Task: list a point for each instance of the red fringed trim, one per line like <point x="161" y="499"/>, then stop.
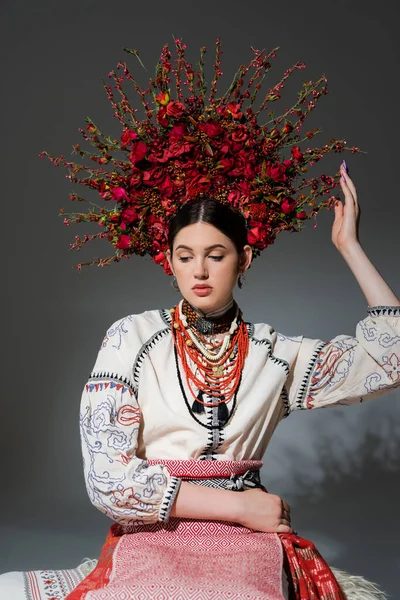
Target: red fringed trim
<point x="312" y="579"/>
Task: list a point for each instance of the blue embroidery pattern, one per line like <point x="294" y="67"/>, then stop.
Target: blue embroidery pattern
<point x="116" y="331"/>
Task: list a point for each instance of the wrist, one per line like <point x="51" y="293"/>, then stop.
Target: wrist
<point x="351" y="250"/>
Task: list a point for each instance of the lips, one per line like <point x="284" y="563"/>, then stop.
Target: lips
<point x="201" y="287"/>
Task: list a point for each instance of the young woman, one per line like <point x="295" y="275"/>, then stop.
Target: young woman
<point x="178" y="412"/>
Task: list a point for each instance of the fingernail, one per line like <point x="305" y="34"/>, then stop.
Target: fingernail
<point x="345" y="166"/>
<point x="343" y="178"/>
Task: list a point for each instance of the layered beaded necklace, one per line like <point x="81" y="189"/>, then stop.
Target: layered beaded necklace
<point x="212" y="368"/>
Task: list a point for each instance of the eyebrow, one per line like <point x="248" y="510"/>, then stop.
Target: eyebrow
<point x="206" y="249"/>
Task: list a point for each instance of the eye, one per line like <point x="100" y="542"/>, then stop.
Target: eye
<point x="184" y="258"/>
<point x="216" y="258"/>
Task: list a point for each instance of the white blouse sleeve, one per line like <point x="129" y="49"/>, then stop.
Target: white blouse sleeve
<point x="121" y="485"/>
<point x="348" y="369"/>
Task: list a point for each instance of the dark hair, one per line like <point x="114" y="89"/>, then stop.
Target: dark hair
<point x="208" y="210"/>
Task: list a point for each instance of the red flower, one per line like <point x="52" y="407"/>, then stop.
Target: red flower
<point x="118" y="194"/>
<point x="124" y="241"/>
<point x="163" y="98"/>
<point x="258" y="211"/>
<point x="297" y="153"/>
<point x="166" y="187"/>
<point x="234" y="110"/>
<point x="129" y="215"/>
<point x="212" y="128"/>
<point x="154" y="177"/>
<point x="159" y="258"/>
<point x="301" y="215"/>
<point x="258" y="235"/>
<point x="135" y="179"/>
<point x="167" y="268"/>
<point x="197" y="185"/>
<point x="127" y="137"/>
<point x="225" y="164"/>
<point x="288" y="205"/>
<point x="161" y="117"/>
<point x="177" y="131"/>
<point x="287" y="128"/>
<point x="175" y="109"/>
<point x="276" y="171"/>
<point x="234" y="197"/>
<point x="138" y="152"/>
<point x="240" y="134"/>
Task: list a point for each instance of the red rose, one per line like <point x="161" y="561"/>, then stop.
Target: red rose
<point x="177" y="131"/>
<point x="129" y="215"/>
<point x="234" y="110"/>
<point x="301" y="215"/>
<point x="161" y="117"/>
<point x="154" y="177"/>
<point x="166" y="187"/>
<point x="288" y="205"/>
<point x="167" y="268"/>
<point x="239" y="134"/>
<point x="175" y="109"/>
<point x="198" y="185"/>
<point x="258" y="235"/>
<point x="297" y="153"/>
<point x="176" y="149"/>
<point x="138" y="152"/>
<point x="225" y="164"/>
<point x="124" y="241"/>
<point x="159" y="258"/>
<point x="211" y="128"/>
<point x="118" y="194"/>
<point x="127" y="137"/>
<point x="234" y="197"/>
<point x="135" y="179"/>
<point x="276" y="171"/>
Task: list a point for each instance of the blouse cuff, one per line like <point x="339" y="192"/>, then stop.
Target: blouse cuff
<point x="383" y="311"/>
<point x="168" y="499"/>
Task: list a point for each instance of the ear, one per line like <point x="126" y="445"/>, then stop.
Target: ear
<point x="245" y="259"/>
<point x="169" y="259"/>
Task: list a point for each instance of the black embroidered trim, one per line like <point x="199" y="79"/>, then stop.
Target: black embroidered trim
<point x="307" y="375"/>
<point x="169" y="497"/>
<point x="143" y="352"/>
<point x="111" y="376"/>
<point x="285" y="401"/>
<point x="205" y="425"/>
<point x="165" y="315"/>
<point x="380" y="311"/>
<point x="266" y="342"/>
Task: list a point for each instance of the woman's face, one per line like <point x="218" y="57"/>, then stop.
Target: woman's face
<point x="206" y="265"/>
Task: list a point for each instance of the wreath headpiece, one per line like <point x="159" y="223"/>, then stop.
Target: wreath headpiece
<point x="194" y="143"/>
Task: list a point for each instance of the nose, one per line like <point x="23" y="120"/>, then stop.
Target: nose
<point x="200" y="270"/>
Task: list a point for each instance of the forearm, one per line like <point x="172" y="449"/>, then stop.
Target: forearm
<point x="376" y="290"/>
<point x="201" y="502"/>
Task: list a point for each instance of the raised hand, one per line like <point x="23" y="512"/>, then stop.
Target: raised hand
<point x="345" y="226"/>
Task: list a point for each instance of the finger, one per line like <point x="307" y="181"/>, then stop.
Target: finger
<point x="347" y="183"/>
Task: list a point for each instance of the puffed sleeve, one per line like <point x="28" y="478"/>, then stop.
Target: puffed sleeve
<point x="121" y="485"/>
<point x="348" y="369"/>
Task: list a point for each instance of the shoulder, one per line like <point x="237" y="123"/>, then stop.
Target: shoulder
<point x="279" y="344"/>
<point x="132" y="331"/>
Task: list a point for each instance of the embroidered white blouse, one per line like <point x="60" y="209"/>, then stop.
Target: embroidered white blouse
<point x="133" y="409"/>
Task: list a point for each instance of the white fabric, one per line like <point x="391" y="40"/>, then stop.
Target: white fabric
<point x="133" y="409"/>
<point x="12" y="586"/>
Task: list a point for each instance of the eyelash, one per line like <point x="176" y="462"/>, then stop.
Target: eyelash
<point x="185" y="259"/>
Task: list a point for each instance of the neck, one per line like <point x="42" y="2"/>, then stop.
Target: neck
<point x="219" y="320"/>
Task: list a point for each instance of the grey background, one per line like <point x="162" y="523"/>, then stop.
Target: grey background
<point x="338" y="467"/>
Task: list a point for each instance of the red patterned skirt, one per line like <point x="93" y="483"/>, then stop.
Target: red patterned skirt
<point x="185" y="559"/>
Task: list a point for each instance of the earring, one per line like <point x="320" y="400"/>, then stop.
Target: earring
<point x="241" y="280"/>
<point x="174" y="284"/>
